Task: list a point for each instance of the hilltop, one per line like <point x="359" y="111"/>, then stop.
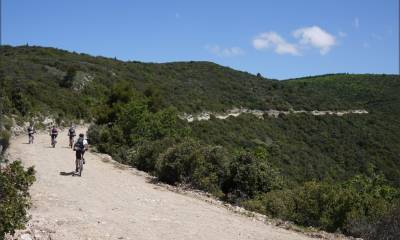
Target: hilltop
<point x="53" y="80"/>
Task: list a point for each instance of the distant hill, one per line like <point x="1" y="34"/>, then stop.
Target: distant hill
<point x="37" y="73"/>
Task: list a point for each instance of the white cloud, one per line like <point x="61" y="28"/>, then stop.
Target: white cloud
<point x="225" y="52"/>
<point x="315" y="37"/>
<point x="356" y="22"/>
<point x="273" y="40"/>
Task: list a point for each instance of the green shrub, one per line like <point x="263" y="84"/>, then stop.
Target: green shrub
<point x="14" y="196"/>
<point x="277" y="204"/>
<point x="351" y="207"/>
<point x="387" y="228"/>
<point x="252" y="174"/>
<point x="179" y="162"/>
<point x="4" y="140"/>
<point x="212" y="173"/>
<point x="145" y="154"/>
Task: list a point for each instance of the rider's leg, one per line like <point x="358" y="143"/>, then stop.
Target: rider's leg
<point x="83" y="153"/>
<point x="78" y="156"/>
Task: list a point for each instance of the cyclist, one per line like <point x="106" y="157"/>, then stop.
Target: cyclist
<point x="53" y="134"/>
<point x="80" y="146"/>
<point x="31" y="131"/>
<point x="71" y="134"/>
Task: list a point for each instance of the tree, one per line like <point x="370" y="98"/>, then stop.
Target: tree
<point x="68" y="79"/>
<point x="14" y="197"/>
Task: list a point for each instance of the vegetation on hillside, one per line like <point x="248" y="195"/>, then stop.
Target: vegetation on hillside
<point x="335" y="173"/>
<point x="235" y="163"/>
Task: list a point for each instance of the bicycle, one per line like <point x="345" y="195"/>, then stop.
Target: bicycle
<point x="53" y="140"/>
<point x="71" y="141"/>
<point x="31" y="138"/>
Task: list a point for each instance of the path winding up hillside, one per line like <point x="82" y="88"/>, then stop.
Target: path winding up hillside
<point x="110" y="202"/>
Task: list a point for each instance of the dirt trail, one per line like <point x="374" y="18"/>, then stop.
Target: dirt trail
<point x="108" y="202"/>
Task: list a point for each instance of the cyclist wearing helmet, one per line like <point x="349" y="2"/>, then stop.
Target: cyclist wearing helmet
<point x="71" y="134"/>
<point x="53" y="134"/>
<point x="31" y="131"/>
<point x="80" y="146"/>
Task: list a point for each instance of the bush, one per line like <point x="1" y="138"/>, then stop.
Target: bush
<point x="179" y="162"/>
<point x="387" y="228"/>
<point x="144" y="155"/>
<point x="351" y="207"/>
<point x="213" y="172"/>
<point x="203" y="167"/>
<point x="251" y="174"/>
<point x="4" y="140"/>
<point x="277" y="204"/>
<point x="14" y="196"/>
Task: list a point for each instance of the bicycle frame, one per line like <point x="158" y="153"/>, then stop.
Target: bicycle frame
<point x="31" y="138"/>
<point x="71" y="141"/>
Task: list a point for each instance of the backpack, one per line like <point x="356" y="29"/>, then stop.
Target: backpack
<point x="72" y="131"/>
<point x="54" y="131"/>
<point x="79" y="144"/>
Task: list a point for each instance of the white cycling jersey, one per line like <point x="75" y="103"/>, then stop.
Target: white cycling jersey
<point x="85" y="142"/>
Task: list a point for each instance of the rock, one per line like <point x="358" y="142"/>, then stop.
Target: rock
<point x="26" y="236"/>
<point x="48" y="121"/>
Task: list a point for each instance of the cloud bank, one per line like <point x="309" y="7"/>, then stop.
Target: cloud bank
<point x="315" y="37"/>
<point x="307" y="37"/>
<point x="275" y="41"/>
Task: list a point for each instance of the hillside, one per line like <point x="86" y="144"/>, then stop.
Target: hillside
<point x="37" y="73"/>
<point x="189" y="86"/>
<point x="266" y="164"/>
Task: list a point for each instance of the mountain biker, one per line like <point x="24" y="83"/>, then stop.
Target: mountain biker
<point x="31" y="131"/>
<point x="53" y="134"/>
<point x="80" y="146"/>
<point x="71" y="134"/>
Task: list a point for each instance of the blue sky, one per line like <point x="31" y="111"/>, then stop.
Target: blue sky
<point x="279" y="39"/>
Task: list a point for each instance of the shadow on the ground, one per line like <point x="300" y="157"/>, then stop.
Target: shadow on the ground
<point x="67" y="173"/>
<point x="152" y="180"/>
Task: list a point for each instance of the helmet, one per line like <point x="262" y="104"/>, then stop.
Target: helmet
<point x="81" y="135"/>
